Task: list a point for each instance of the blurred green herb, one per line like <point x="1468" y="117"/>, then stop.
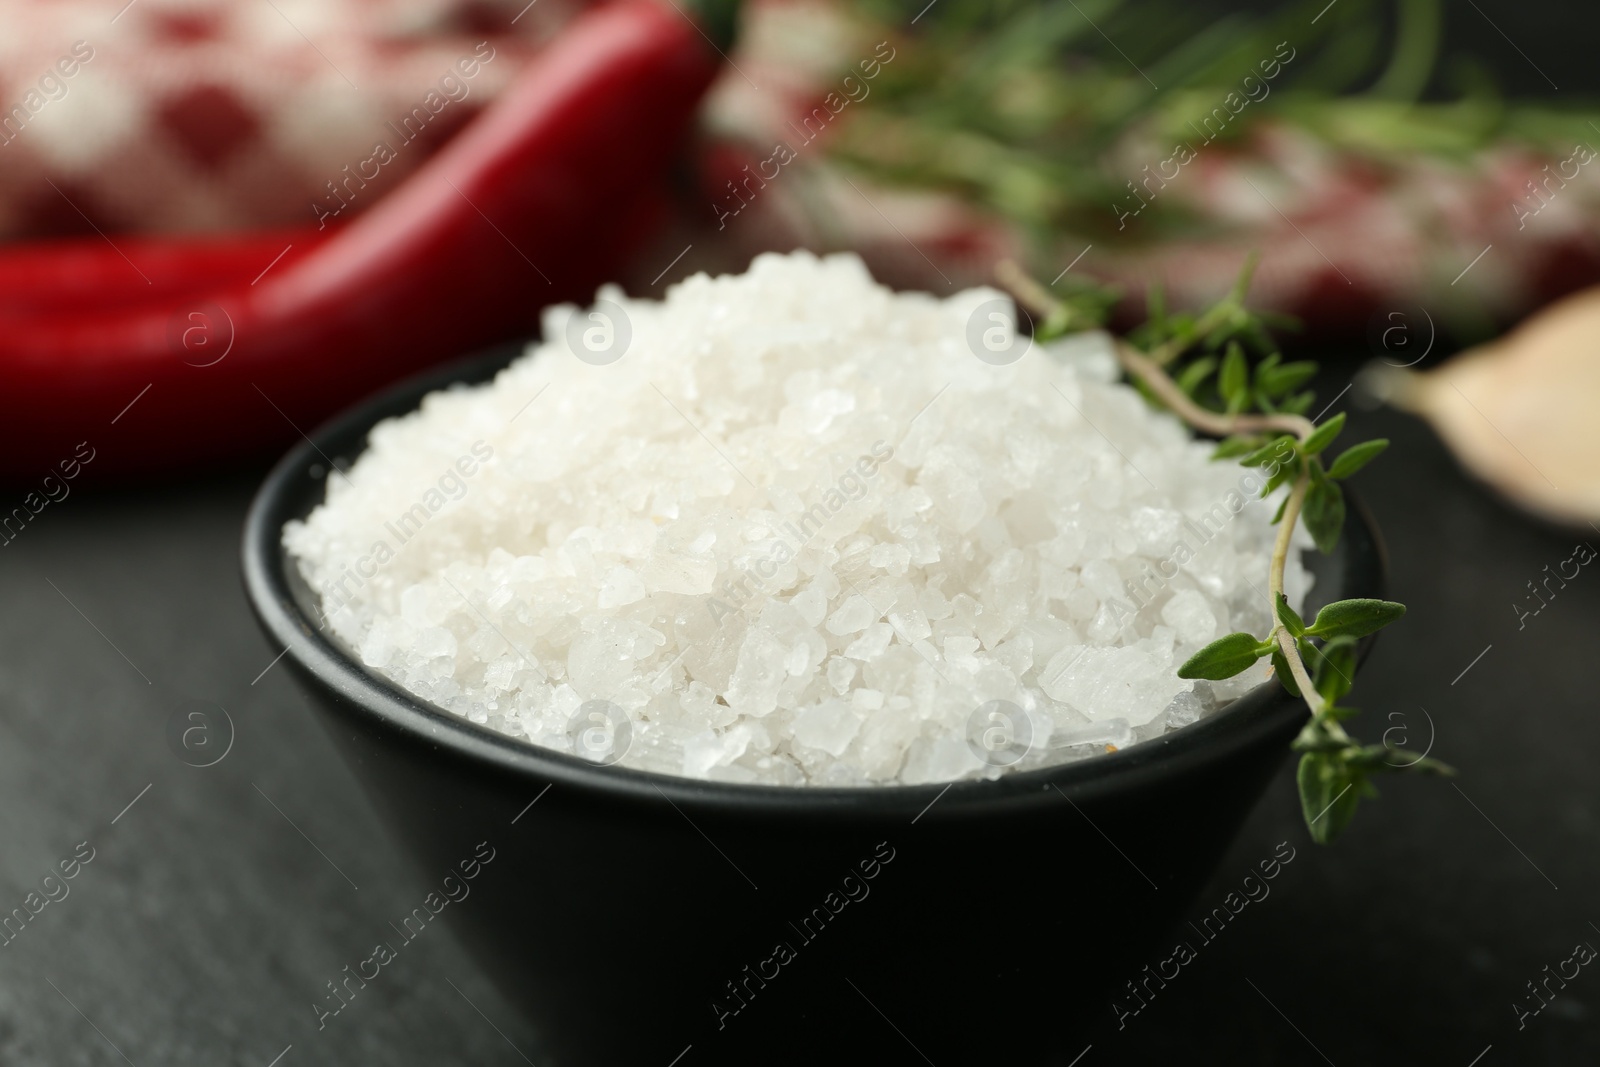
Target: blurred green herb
<point x="1043" y="110"/>
<point x="1200" y="367"/>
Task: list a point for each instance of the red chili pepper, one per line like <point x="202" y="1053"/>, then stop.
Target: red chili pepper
<point x="527" y="205"/>
<point x="91" y="274"/>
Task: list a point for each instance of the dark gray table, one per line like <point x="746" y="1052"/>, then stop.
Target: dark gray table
<point x="219" y="903"/>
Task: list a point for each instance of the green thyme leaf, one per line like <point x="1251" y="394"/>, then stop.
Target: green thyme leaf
<point x="1225" y="657"/>
<point x="1234" y="383"/>
<point x="1286" y="470"/>
<point x="1323" y="435"/>
<point x="1395" y="759"/>
<point x="1280" y="381"/>
<point x="1324" y="511"/>
<point x="1329" y="792"/>
<point x="1280" y="667"/>
<point x="1278" y="448"/>
<point x="1335" y="666"/>
<point x="1298" y="404"/>
<point x="1195" y="374"/>
<point x="1355" y="457"/>
<point x="1289" y="617"/>
<point x="1354" y="618"/>
<point x="1314" y="736"/>
<point x="1237" y="445"/>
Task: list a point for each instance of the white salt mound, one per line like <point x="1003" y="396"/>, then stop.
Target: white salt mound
<point x="796" y="534"/>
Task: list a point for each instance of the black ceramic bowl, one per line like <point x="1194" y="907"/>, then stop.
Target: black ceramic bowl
<point x="635" y="917"/>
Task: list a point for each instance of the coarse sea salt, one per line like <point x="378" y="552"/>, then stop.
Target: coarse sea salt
<point x="797" y="534"/>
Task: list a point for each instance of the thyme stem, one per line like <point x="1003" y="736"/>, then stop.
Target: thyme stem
<point x="1150" y="372"/>
<point x="1286" y="642"/>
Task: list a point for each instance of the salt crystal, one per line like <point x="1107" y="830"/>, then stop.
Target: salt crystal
<point x="1186" y="708"/>
<point x="1101" y="578"/>
<point x="941" y="759"/>
<point x="1082" y="603"/>
<point x="1157" y="530"/>
<point x="911" y="626"/>
<point x="870" y="645"/>
<point x="840" y="672"/>
<point x="709" y="749"/>
<point x="620" y="586"/>
<point x="1114" y="732"/>
<point x="853" y="616"/>
<point x="753" y="689"/>
<point x="892" y="558"/>
<point x="865" y="700"/>
<point x="812" y="604"/>
<point x="1190" y="614"/>
<point x="829" y="726"/>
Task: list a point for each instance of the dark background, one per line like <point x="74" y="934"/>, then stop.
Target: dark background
<point x="207" y="922"/>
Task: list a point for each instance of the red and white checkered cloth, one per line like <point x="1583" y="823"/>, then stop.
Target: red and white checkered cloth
<point x="196" y="115"/>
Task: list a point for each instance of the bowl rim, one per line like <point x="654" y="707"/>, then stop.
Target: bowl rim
<point x="291" y="489"/>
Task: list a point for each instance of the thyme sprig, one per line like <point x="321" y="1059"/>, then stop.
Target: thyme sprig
<point x="1221" y="372"/>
